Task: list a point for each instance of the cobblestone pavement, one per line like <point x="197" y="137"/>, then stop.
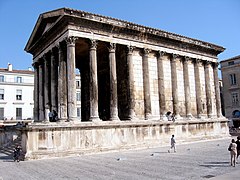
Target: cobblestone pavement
<point x="198" y="160"/>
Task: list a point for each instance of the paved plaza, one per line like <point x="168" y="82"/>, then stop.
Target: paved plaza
<point x="198" y="160"/>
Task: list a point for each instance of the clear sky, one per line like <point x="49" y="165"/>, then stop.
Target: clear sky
<point x="214" y="21"/>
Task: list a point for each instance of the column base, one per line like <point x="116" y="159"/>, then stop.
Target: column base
<point x="95" y="119"/>
<point x="114" y="119"/>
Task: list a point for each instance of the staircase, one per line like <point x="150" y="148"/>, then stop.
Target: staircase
<point x="8" y="149"/>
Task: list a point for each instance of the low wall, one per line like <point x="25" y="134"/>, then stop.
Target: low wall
<point x="69" y="139"/>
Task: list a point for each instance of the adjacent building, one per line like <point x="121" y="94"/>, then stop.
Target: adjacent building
<point x="230" y="69"/>
<point x="16" y="93"/>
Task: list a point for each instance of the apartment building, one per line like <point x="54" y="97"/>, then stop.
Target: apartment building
<point x="230" y="69"/>
<point x="16" y="93"/>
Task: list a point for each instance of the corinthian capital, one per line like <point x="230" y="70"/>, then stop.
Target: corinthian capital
<point x="112" y="47"/>
<point x="161" y="54"/>
<point x="71" y="40"/>
<point x="93" y="43"/>
<point x="174" y="57"/>
<point x="146" y="51"/>
<point x="130" y="49"/>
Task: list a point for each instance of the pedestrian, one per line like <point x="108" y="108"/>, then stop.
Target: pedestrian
<point x="55" y="116"/>
<point x="238" y="147"/>
<point x="173" y="144"/>
<point x="50" y="115"/>
<point x="168" y="115"/>
<point x="17" y="153"/>
<point x="173" y="117"/>
<point x="233" y="152"/>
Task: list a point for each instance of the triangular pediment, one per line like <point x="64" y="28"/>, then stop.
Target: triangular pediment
<point x="44" y="23"/>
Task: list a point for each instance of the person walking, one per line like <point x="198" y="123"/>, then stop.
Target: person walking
<point x="233" y="152"/>
<point x="238" y="147"/>
<point x="173" y="144"/>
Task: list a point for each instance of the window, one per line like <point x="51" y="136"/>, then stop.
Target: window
<point x="233" y="80"/>
<point x="18" y="113"/>
<point x="1" y="94"/>
<point x="235" y="99"/>
<point x="19" y="79"/>
<point x="78" y="96"/>
<point x="1" y="78"/>
<point x="19" y="94"/>
<point x="78" y="112"/>
<point x="231" y="63"/>
<point x="78" y="85"/>
<point x="1" y="113"/>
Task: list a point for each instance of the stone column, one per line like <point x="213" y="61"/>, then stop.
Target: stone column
<point x="41" y="92"/>
<point x="187" y="87"/>
<point x="54" y="83"/>
<point x="208" y="88"/>
<point x="217" y="89"/>
<point x="62" y="85"/>
<point x="198" y="88"/>
<point x="47" y="97"/>
<point x="131" y="101"/>
<point x="161" y="86"/>
<point x="36" y="91"/>
<point x="146" y="85"/>
<point x="175" y="85"/>
<point x="113" y="83"/>
<point x="94" y="116"/>
<point x="71" y="76"/>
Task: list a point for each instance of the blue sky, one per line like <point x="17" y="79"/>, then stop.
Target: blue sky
<point x="214" y="21"/>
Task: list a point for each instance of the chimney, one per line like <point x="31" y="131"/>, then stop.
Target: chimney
<point x="10" y="67"/>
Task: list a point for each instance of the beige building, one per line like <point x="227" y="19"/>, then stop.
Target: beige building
<point x="230" y="69"/>
<point x="128" y="71"/>
<point x="131" y="76"/>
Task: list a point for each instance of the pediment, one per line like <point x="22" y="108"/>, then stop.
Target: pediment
<point x="44" y="23"/>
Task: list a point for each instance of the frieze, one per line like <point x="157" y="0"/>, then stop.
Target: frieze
<point x="121" y="23"/>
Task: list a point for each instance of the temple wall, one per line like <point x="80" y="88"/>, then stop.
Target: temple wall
<point x="153" y="76"/>
<point x="181" y="92"/>
<point x="192" y="89"/>
<point x="59" y="140"/>
<point x="167" y="83"/>
<point x="138" y="84"/>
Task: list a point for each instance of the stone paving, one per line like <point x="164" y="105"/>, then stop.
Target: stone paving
<point x="198" y="160"/>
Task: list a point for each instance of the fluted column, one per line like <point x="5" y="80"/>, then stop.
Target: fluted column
<point x="71" y="86"/>
<point x="131" y="102"/>
<point x="113" y="83"/>
<point x="53" y="81"/>
<point x="208" y="88"/>
<point x="146" y="85"/>
<point x="62" y="85"/>
<point x="217" y="90"/>
<point x="161" y="86"/>
<point x="198" y="88"/>
<point x="41" y="92"/>
<point x="36" y="91"/>
<point x="47" y="97"/>
<point x="94" y="116"/>
<point x="174" y="85"/>
<point x="187" y="87"/>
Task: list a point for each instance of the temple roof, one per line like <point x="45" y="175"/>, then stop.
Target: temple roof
<point x="47" y="20"/>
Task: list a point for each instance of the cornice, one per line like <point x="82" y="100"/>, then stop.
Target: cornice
<point x="140" y="28"/>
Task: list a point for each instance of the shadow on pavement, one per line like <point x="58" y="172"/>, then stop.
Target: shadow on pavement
<point x="215" y="164"/>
